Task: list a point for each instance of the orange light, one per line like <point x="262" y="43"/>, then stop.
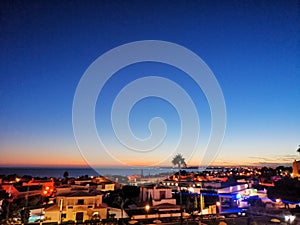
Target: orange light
<point x="45" y="192"/>
<point x="147" y="207"/>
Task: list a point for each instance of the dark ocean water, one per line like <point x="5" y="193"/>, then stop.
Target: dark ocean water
<point x="75" y="172"/>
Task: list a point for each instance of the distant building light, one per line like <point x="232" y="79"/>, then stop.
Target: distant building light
<point x="191" y="189"/>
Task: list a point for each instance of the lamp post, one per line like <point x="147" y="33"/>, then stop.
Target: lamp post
<point x="147" y="208"/>
<point x="218" y="206"/>
<point x="278" y="200"/>
<point x="60" y="210"/>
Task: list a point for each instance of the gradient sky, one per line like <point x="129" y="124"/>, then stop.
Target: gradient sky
<point x="252" y="47"/>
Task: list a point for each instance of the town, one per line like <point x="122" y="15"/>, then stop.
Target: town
<point x="234" y="195"/>
<point x="135" y="112"/>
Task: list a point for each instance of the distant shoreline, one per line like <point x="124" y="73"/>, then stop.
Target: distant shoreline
<point x="57" y="172"/>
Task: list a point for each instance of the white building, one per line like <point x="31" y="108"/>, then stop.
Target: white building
<point x="158" y="195"/>
<point x="76" y="206"/>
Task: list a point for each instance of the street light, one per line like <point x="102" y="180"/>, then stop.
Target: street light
<point x="278" y="201"/>
<point x="147" y="208"/>
<point x="218" y="204"/>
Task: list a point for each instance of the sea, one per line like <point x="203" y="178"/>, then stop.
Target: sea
<point x="58" y="172"/>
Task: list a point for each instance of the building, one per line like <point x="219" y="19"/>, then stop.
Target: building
<point x="104" y="184"/>
<point x="97" y="183"/>
<point x="17" y="191"/>
<point x="156" y="194"/>
<point x="296" y="168"/>
<point x="47" y="186"/>
<point x="76" y="206"/>
<point x="31" y="188"/>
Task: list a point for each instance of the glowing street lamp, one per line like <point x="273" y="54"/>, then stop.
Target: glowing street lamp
<point x="147" y="208"/>
<point x="278" y="200"/>
<point x="218" y="204"/>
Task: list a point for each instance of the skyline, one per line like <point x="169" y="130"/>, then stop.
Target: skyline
<point x="251" y="47"/>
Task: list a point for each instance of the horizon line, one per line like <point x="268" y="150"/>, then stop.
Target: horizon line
<point x="137" y="166"/>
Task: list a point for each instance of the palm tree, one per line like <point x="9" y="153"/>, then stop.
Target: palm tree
<point x="179" y="161"/>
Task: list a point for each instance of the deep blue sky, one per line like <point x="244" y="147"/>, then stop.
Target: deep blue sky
<point x="251" y="46"/>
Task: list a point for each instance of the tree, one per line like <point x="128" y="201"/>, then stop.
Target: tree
<point x="131" y="192"/>
<point x="66" y="177"/>
<point x="66" y="174"/>
<point x="179" y="161"/>
<point x="25" y="214"/>
<point x="287" y="189"/>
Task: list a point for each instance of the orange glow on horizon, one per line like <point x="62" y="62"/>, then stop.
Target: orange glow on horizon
<point x="72" y="158"/>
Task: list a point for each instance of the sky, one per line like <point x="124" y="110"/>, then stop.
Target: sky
<point x="46" y="47"/>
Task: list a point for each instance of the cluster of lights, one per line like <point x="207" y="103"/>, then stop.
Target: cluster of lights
<point x="289" y="218"/>
<point x="226" y="172"/>
<point x="47" y="190"/>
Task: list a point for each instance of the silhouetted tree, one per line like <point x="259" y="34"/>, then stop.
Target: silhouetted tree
<point x="25" y="213"/>
<point x="66" y="177"/>
<point x="131" y="191"/>
<point x="66" y="174"/>
<point x="179" y="161"/>
<point x="287" y="189"/>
